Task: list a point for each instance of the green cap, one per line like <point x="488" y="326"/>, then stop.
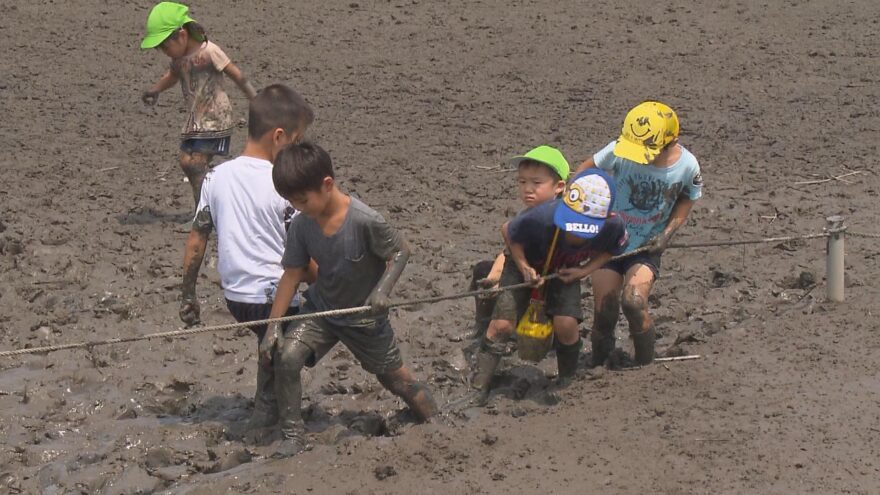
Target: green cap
<point x="547" y="155"/>
<point x="164" y="19"/>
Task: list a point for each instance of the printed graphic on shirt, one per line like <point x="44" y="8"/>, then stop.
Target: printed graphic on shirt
<point x="648" y="194"/>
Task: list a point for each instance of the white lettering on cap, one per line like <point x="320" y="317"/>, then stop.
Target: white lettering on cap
<point x="584" y="228"/>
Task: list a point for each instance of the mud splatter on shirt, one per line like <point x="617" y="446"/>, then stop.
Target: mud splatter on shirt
<point x="201" y="80"/>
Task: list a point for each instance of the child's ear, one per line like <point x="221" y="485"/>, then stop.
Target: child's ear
<point x="328" y="184"/>
<point x="560" y="187"/>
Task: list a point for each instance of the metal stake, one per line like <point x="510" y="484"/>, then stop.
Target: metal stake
<point x="834" y="261"/>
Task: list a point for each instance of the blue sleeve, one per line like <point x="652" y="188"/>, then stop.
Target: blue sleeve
<point x="605" y="158"/>
<point x="296" y="254"/>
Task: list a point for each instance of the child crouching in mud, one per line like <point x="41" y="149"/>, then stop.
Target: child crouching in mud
<point x="584" y="227"/>
<point x="540" y="176"/>
<point x="359" y="258"/>
<point x="198" y="65"/>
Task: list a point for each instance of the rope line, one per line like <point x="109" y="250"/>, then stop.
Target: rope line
<point x="398" y="304"/>
<point x="863" y="234"/>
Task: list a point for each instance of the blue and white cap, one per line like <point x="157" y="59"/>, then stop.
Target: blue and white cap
<point x="587" y="203"/>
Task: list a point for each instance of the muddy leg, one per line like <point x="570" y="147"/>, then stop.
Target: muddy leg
<point x="288" y="363"/>
<point x="403" y="384"/>
<point x="636" y="290"/>
<point x="483" y="306"/>
<point x="606" y="308"/>
<point x="265" y="405"/>
<point x="568" y="348"/>
<point x="195" y="166"/>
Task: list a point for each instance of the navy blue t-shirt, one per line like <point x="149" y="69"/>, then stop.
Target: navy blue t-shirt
<point x="534" y="229"/>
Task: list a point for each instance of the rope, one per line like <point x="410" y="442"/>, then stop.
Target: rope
<point x="749" y="241"/>
<point x="863" y="234"/>
<point x="399" y="304"/>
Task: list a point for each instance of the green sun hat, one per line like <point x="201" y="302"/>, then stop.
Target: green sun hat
<point x="547" y="155"/>
<point x="164" y="19"/>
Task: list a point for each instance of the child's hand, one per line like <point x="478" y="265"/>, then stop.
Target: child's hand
<point x="379" y="303"/>
<point x="189" y="311"/>
<point x="274" y="338"/>
<point x="487" y="283"/>
<point x="571" y="274"/>
<point x="658" y="243"/>
<point x="150" y="97"/>
<point x="531" y="276"/>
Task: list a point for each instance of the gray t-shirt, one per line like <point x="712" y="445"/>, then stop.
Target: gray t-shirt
<point x="350" y="262"/>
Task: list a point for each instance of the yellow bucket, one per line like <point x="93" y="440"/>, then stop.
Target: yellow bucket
<point x="534" y="333"/>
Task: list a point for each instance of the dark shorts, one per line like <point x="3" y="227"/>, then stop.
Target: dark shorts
<point x="560" y="299"/>
<point x="374" y="346"/>
<point x="243" y="312"/>
<point x="208" y="146"/>
<point x="623" y="265"/>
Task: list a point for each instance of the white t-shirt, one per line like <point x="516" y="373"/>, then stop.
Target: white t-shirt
<point x="250" y="219"/>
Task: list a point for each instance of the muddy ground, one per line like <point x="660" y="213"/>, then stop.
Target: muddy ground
<point x="417" y="102"/>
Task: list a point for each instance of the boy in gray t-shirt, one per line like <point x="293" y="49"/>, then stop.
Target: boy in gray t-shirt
<point x="359" y="258"/>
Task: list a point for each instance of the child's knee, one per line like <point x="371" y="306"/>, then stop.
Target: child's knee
<point x="499" y="329"/>
<point x="634" y="304"/>
<point x="291" y="357"/>
<point x="566" y="329"/>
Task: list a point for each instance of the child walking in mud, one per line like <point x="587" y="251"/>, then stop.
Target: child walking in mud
<point x="239" y="201"/>
<point x="199" y="65"/>
<point x="540" y="176"/>
<point x="567" y="231"/>
<point x="360" y="257"/>
<point x="659" y="182"/>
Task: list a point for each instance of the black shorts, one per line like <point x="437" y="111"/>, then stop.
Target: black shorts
<point x="560" y="299"/>
<point x="623" y="265"/>
<point x="243" y="312"/>
<point x="373" y="346"/>
<point x="208" y="146"/>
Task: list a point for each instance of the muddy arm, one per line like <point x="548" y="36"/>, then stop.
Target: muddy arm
<point x="168" y="79"/>
<point x="192" y="261"/>
<point x="677" y="218"/>
<point x="238" y="78"/>
<point x="379" y="298"/>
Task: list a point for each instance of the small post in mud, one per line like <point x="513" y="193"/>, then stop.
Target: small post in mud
<point x="834" y="266"/>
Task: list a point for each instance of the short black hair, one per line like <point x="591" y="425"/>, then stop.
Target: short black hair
<point x="278" y="106"/>
<point x="535" y="163"/>
<point x="300" y="167"/>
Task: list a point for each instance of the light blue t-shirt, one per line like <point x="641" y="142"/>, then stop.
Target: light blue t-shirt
<point x="646" y="194"/>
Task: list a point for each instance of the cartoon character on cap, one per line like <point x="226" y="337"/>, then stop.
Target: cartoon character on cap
<point x="586" y="204"/>
<point x="647" y="129"/>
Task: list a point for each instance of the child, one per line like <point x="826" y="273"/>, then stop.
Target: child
<point x="239" y="200"/>
<point x="586" y="229"/>
<point x="541" y="175"/>
<point x="360" y="259"/>
<point x="659" y="182"/>
<point x="199" y="65"/>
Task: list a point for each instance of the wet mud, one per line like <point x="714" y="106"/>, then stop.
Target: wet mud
<point x="419" y="103"/>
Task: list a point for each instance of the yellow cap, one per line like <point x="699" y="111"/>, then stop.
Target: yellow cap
<point x="647" y="129"/>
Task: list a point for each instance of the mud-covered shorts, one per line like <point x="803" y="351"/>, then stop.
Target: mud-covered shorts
<point x="243" y="312"/>
<point x="623" y="265"/>
<point x="373" y="346"/>
<point x="560" y="299"/>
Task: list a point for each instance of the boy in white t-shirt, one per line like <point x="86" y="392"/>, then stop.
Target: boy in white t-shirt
<point x="239" y="201"/>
